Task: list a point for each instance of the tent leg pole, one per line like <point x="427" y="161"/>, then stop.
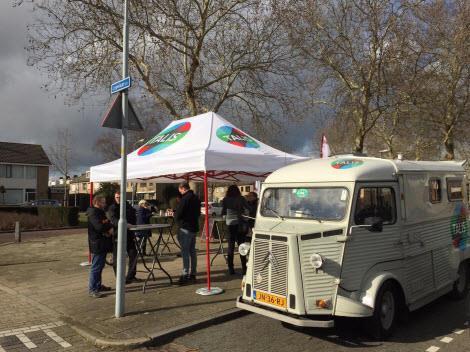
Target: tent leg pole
<point x="207" y="291"/>
<point x="206" y="219"/>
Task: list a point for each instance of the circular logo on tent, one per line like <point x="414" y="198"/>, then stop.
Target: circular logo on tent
<point x="459" y="227"/>
<point x="236" y="137"/>
<point x="165" y="138"/>
<point x="343" y="164"/>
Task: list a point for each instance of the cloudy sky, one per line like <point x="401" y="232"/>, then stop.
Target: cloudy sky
<point x="29" y="114"/>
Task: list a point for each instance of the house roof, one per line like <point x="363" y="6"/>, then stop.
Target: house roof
<point x="20" y="153"/>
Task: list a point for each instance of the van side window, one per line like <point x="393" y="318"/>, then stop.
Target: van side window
<point x="435" y="190"/>
<point x="374" y="204"/>
<point x="454" y="189"/>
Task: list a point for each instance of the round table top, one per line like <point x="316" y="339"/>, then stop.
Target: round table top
<point x="148" y="227"/>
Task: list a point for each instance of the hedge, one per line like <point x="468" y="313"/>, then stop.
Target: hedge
<point x="45" y="217"/>
<point x="64" y="216"/>
<point x="19" y="210"/>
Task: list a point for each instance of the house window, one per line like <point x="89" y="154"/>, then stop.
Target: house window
<point x="84" y="187"/>
<point x="435" y="191"/>
<point x="5" y="171"/>
<point x="374" y="204"/>
<point x="143" y="185"/>
<point x="31" y="172"/>
<point x="454" y="189"/>
<point x="17" y="171"/>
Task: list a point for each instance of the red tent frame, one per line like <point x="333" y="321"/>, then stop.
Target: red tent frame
<point x="202" y="176"/>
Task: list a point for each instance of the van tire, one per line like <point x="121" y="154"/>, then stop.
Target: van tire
<point x="386" y="312"/>
<point x="461" y="285"/>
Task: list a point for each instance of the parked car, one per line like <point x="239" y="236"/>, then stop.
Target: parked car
<point x="215" y="209"/>
<point x="45" y="202"/>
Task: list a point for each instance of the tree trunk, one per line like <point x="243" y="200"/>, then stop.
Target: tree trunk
<point x="449" y="145"/>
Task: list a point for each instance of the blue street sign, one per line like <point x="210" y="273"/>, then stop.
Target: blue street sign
<point x="120" y="85"/>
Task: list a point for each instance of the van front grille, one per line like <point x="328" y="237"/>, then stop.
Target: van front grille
<point x="270" y="267"/>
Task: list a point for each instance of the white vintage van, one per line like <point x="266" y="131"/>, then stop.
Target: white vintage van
<point x="354" y="236"/>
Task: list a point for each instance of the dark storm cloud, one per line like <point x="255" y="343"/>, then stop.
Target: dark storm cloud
<point x="29" y="114"/>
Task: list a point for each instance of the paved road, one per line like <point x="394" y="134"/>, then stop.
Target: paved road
<point x="424" y="330"/>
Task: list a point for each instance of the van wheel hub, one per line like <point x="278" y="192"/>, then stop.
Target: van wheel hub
<point x="387" y="310"/>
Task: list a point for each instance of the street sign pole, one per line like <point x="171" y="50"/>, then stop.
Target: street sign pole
<point x="122" y="225"/>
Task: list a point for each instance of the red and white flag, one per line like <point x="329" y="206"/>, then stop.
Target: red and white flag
<point x="325" y="148"/>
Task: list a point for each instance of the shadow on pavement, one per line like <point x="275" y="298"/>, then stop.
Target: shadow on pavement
<point x="439" y="318"/>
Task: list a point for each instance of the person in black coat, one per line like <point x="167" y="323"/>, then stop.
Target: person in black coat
<point x="144" y="213"/>
<point x="114" y="215"/>
<point x="187" y="215"/>
<point x="100" y="231"/>
<point x="234" y="206"/>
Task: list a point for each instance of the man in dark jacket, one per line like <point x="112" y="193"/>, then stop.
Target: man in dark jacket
<point x="114" y="215"/>
<point x="187" y="215"/>
<point x="100" y="231"/>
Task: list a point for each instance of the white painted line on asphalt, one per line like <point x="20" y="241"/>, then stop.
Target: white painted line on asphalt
<point x="57" y="338"/>
<point x="433" y="349"/>
<point x="446" y="339"/>
<point x="459" y="332"/>
<point x="34" y="328"/>
<point x="26" y="341"/>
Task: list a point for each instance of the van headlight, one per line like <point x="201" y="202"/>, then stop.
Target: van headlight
<point x="244" y="248"/>
<point x="316" y="261"/>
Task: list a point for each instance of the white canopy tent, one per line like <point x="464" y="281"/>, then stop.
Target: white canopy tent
<point x="187" y="148"/>
<point x="204" y="148"/>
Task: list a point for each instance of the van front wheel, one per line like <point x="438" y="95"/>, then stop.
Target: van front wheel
<point x="382" y="322"/>
<point x="460" y="289"/>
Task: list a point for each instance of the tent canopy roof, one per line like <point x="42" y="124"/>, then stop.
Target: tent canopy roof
<point x="187" y="148"/>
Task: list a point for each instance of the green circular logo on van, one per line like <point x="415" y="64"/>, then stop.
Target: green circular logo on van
<point x="301" y="192"/>
<point x="343" y="164"/>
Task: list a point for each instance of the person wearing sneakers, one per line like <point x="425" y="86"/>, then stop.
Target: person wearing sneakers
<point x="187" y="215"/>
<point x="100" y="232"/>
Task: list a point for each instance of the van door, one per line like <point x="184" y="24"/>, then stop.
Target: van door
<point x="374" y="204"/>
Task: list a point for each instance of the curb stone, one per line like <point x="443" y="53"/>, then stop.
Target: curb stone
<point x="158" y="337"/>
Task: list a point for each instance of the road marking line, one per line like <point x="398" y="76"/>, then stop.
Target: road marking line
<point x="433" y="349"/>
<point x="34" y="328"/>
<point x="26" y="341"/>
<point x="459" y="332"/>
<point x="446" y="339"/>
<point x="57" y="338"/>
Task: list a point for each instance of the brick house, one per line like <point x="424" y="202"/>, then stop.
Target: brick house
<point x="24" y="172"/>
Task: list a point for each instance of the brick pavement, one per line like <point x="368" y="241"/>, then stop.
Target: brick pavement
<point x="25" y="326"/>
<point x="47" y="272"/>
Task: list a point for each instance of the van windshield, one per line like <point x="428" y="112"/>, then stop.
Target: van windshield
<point x="308" y="203"/>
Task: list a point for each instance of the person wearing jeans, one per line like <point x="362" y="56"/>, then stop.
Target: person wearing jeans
<point x="100" y="231"/>
<point x="187" y="242"/>
<point x="187" y="215"/>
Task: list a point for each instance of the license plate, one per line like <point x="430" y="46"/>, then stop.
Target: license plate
<point x="274" y="300"/>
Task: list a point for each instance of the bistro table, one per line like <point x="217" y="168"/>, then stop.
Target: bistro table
<point x="218" y="225"/>
<point x="154" y="248"/>
<point x="170" y="220"/>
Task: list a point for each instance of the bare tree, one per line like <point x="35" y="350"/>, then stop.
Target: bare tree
<point x="60" y="157"/>
<point x="190" y="56"/>
<point x="444" y="99"/>
<point x="349" y="43"/>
